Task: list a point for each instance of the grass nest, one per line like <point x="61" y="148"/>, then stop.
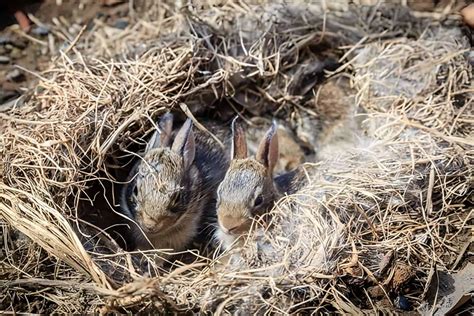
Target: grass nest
<point x="379" y="212"/>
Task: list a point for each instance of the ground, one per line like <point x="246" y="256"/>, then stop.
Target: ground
<point x="22" y="55"/>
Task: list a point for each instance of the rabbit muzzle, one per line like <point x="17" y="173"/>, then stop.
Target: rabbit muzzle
<point x="157" y="225"/>
<point x="234" y="225"/>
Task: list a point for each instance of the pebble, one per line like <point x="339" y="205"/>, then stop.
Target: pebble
<point x="19" y="42"/>
<point x="40" y="31"/>
<point x="121" y="24"/>
<point x="4" y="59"/>
<point x="15" y="75"/>
<point x="4" y="40"/>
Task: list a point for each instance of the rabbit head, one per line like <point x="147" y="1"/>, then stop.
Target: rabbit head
<point x="164" y="179"/>
<point x="247" y="189"/>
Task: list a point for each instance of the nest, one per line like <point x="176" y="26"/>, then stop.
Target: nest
<point x="384" y="202"/>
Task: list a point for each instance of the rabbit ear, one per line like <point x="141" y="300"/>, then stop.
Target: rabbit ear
<point x="166" y="126"/>
<point x="267" y="152"/>
<point x="161" y="138"/>
<point x="239" y="143"/>
<point x="184" y="143"/>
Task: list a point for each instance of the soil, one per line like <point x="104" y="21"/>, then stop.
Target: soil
<point x="24" y="54"/>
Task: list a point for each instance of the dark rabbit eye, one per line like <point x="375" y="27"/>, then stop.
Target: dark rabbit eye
<point x="258" y="201"/>
<point x="175" y="202"/>
<point x="176" y="208"/>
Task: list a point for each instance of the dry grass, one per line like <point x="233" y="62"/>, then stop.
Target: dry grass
<point x="402" y="189"/>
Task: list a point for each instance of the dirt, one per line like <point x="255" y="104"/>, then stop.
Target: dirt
<point x="23" y="55"/>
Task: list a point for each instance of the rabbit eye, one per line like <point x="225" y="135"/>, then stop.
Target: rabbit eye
<point x="175" y="206"/>
<point x="175" y="199"/>
<point x="258" y="201"/>
<point x="176" y="209"/>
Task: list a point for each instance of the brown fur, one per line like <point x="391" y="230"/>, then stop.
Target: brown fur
<point x="248" y="189"/>
<point x="172" y="188"/>
<point x="333" y="107"/>
<point x="291" y="153"/>
<point x="164" y="229"/>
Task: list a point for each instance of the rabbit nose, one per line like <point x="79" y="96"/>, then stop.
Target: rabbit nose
<point x="232" y="225"/>
<point x="156" y="223"/>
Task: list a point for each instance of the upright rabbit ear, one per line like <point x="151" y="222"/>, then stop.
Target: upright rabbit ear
<point x="161" y="138"/>
<point x="184" y="143"/>
<point x="267" y="152"/>
<point x="239" y="143"/>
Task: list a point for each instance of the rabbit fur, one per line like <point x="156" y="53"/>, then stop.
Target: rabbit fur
<point x="249" y="188"/>
<point x="171" y="192"/>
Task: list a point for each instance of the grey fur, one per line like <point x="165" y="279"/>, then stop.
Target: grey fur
<point x="171" y="191"/>
<point x="248" y="188"/>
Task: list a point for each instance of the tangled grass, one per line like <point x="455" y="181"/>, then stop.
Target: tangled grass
<point x="371" y="223"/>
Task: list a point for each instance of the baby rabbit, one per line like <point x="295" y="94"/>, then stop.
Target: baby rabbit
<point x="291" y="153"/>
<point x="248" y="188"/>
<point x="170" y="190"/>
